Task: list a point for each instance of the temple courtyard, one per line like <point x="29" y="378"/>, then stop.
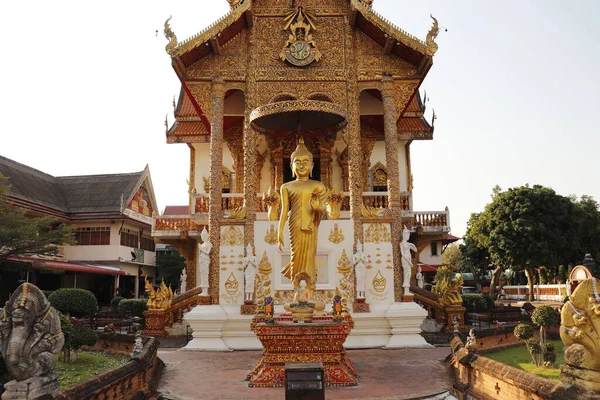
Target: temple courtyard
<point x="384" y="374"/>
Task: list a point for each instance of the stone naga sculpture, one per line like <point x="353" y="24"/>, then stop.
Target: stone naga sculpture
<point x="30" y="334"/>
<point x="580" y="332"/>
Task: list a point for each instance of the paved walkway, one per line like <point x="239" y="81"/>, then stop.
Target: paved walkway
<point x="384" y="374"/>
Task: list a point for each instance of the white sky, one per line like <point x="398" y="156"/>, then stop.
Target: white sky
<point x="85" y="87"/>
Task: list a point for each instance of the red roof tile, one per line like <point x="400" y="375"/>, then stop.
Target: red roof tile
<point x="185" y="108"/>
<point x="176" y="210"/>
<point x="411" y="124"/>
<point x="188" y="128"/>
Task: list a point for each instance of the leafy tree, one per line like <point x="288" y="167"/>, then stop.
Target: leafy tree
<point x="451" y="256"/>
<point x="22" y="235"/>
<point x="81" y="336"/>
<point x="169" y="267"/>
<point x="525" y="228"/>
<point x="587" y="217"/>
<point x="475" y="259"/>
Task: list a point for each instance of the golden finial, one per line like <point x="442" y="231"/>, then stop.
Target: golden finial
<point x="170" y="35"/>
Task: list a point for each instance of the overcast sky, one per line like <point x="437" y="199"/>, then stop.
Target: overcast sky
<point x="85" y="87"/>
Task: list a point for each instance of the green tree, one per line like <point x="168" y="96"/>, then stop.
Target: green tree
<point x="525" y="228"/>
<point x="22" y="235"/>
<point x="474" y="259"/>
<point x="451" y="256"/>
<point x="169" y="267"/>
<point x="587" y="217"/>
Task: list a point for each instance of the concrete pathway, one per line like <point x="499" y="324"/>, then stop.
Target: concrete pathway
<point x="384" y="375"/>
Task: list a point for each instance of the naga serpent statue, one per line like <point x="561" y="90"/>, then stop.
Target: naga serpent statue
<point x="30" y="334"/>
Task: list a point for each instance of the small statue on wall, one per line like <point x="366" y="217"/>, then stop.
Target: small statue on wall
<point x="420" y="278"/>
<point x="204" y="261"/>
<point x="30" y="334"/>
<point x="359" y="262"/>
<point x="405" y="250"/>
<point x="250" y="269"/>
<point x="183" y="281"/>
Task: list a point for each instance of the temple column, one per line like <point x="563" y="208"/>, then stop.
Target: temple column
<point x="390" y="116"/>
<point x="352" y="139"/>
<point x="216" y="163"/>
<point x="250" y="180"/>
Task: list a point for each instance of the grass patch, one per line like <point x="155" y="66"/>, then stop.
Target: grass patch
<point x="519" y="357"/>
<point x="87" y="366"/>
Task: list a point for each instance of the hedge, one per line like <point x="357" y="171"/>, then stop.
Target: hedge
<point x="114" y="303"/>
<point x="477" y="303"/>
<point x="75" y="302"/>
<point x="135" y="307"/>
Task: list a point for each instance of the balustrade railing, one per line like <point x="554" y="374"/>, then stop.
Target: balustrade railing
<point x="175" y="223"/>
<point x="432" y="218"/>
<point x="229" y="201"/>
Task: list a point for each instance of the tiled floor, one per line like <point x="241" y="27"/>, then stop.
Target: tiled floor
<point x="384" y="374"/>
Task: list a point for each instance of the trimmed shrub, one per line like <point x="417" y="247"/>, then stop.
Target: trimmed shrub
<point x="74" y="302"/>
<point x="428" y="286"/>
<point x="549" y="353"/>
<point x="135" y="307"/>
<point x="475" y="303"/>
<point x="544" y="316"/>
<point x="523" y="331"/>
<point x="47" y="292"/>
<point x="114" y="303"/>
<point x="534" y="347"/>
<point x="82" y="336"/>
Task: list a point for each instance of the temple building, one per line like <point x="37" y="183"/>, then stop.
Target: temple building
<point x="112" y="217"/>
<point x="344" y="79"/>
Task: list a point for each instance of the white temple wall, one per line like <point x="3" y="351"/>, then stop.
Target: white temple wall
<point x="402" y="166"/>
<point x="201" y="165"/>
<point x="231" y="265"/>
<point x="379" y="279"/>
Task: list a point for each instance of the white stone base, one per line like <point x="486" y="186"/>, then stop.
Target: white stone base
<point x="222" y="328"/>
<point x="405" y="321"/>
<point x="371" y="330"/>
<point x="431" y="325"/>
<point x="207" y="323"/>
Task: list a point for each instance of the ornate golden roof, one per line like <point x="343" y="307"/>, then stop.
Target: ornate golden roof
<point x="428" y="47"/>
<point x="213" y="30"/>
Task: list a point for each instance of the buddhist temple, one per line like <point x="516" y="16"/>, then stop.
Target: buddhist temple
<point x="344" y="79"/>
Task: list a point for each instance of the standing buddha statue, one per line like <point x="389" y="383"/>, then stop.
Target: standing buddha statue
<point x="304" y="200"/>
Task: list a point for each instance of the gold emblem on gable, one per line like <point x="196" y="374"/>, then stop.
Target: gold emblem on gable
<point x="300" y="49"/>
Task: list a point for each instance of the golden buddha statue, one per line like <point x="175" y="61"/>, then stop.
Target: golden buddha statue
<point x="304" y="200"/>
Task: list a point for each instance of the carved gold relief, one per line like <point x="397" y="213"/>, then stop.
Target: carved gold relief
<point x="231" y="285"/>
<point x="336" y="236"/>
<point x="380" y="175"/>
<point x="300" y="49"/>
<point x="344" y="264"/>
<point x="232" y="236"/>
<point x="379" y="282"/>
<point x="271" y="235"/>
<point x="377" y="233"/>
<point x="264" y="266"/>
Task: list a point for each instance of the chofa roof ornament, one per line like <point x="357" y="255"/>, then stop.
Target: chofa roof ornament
<point x="170" y="35"/>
